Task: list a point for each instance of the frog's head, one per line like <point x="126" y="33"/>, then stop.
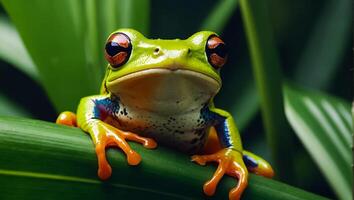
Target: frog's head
<point x="164" y="70"/>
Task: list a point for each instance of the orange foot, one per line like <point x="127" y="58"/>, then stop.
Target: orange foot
<point x="67" y="118"/>
<point x="105" y="135"/>
<point x="230" y="162"/>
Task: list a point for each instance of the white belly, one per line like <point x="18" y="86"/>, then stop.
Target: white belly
<point x="165" y="105"/>
<point x="186" y="131"/>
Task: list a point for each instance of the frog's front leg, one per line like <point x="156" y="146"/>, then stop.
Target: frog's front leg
<point x="94" y="114"/>
<point x="230" y="163"/>
<point x="230" y="157"/>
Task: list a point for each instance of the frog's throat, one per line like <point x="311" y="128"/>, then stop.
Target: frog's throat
<point x="165" y="90"/>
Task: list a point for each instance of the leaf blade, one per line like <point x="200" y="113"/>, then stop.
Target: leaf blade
<point x="38" y="154"/>
<point x="268" y="78"/>
<point x="326" y="47"/>
<point x="57" y="51"/>
<point x="10" y="108"/>
<point x="217" y="19"/>
<point x="12" y="50"/>
<point x="136" y="14"/>
<point x="332" y="156"/>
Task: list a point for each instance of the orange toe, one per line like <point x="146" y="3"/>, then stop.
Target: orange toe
<point x="146" y="142"/>
<point x="104" y="172"/>
<point x="104" y="169"/>
<point x="133" y="158"/>
<point x="150" y="144"/>
<point x="198" y="159"/>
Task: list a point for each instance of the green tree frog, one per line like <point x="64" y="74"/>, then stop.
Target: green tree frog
<point x="162" y="91"/>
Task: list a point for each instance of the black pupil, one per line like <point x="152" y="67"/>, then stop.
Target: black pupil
<point x="113" y="48"/>
<point x="220" y="50"/>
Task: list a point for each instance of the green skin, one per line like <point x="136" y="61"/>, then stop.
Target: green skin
<point x="143" y="58"/>
<point x="184" y="67"/>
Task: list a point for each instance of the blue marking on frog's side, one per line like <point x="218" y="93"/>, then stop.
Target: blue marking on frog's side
<point x="220" y="124"/>
<point x="250" y="162"/>
<point x="106" y="106"/>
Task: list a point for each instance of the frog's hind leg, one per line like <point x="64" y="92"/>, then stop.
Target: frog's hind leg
<point x="67" y="118"/>
<point x="257" y="165"/>
<point x="212" y="144"/>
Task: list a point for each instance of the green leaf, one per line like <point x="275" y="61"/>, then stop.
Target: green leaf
<point x="94" y="47"/>
<point x="219" y="16"/>
<point x="109" y="19"/>
<point x="13" y="51"/>
<point x="323" y="124"/>
<point x="56" y="162"/>
<point x="244" y="104"/>
<point x="135" y="14"/>
<point x="268" y="76"/>
<point x="10" y="108"/>
<point x="246" y="107"/>
<point x="327" y="45"/>
<point x="241" y="101"/>
<point x="52" y="33"/>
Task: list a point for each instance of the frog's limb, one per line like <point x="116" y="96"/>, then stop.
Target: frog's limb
<point x="92" y="113"/>
<point x="257" y="165"/>
<point x="229" y="158"/>
<point x="212" y="144"/>
<point x="254" y="163"/>
<point x="230" y="163"/>
<point x="67" y="118"/>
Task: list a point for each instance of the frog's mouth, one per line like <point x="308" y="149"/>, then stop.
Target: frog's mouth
<point x="164" y="90"/>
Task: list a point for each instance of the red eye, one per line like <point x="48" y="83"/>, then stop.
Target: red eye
<point x="216" y="51"/>
<point x="118" y="49"/>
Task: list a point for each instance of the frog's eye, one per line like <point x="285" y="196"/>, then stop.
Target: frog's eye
<point x="216" y="51"/>
<point x="118" y="49"/>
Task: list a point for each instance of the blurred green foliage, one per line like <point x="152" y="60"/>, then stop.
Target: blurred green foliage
<point x="62" y="60"/>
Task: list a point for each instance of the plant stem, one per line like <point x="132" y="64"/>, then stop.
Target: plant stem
<point x="136" y="14"/>
<point x="267" y="72"/>
<point x="91" y="41"/>
<point x="219" y="16"/>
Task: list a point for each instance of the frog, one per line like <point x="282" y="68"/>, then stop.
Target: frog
<point x="162" y="91"/>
